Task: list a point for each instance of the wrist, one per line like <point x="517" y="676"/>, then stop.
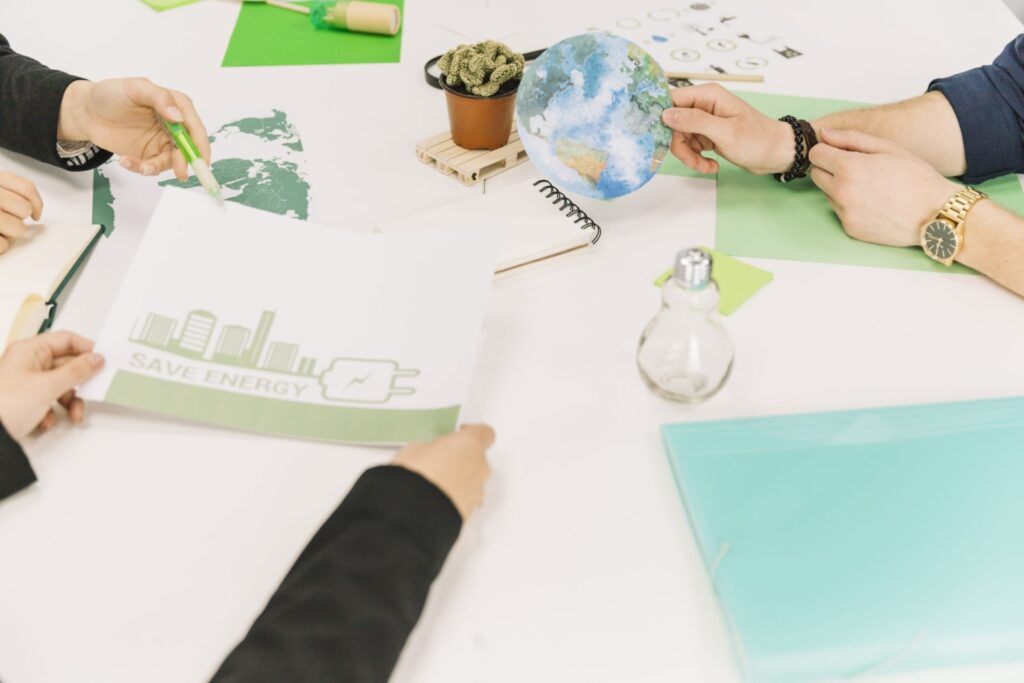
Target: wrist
<point x="73" y="123"/>
<point x="943" y="191"/>
<point x="977" y="248"/>
<point x="943" y="219"/>
<point x="780" y="156"/>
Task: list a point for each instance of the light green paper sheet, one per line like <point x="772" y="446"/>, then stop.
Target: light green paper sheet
<point x="270" y="36"/>
<point x="672" y="166"/>
<point x="758" y="217"/>
<point x="161" y="5"/>
<point x="869" y="541"/>
<point x="737" y="281"/>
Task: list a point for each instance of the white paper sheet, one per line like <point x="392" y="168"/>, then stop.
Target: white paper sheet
<point x="251" y="320"/>
<point x="723" y="36"/>
<point x="532" y="220"/>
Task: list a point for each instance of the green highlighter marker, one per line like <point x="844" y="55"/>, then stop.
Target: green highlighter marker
<point x="188" y="148"/>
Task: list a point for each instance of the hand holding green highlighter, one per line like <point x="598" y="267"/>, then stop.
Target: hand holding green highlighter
<point x="183" y="141"/>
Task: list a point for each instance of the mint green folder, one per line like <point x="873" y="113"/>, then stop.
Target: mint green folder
<point x="863" y="542"/>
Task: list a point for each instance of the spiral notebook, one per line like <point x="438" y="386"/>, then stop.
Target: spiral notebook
<point x="537" y="221"/>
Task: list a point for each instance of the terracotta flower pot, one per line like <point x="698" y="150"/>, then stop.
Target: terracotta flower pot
<point x="481" y="122"/>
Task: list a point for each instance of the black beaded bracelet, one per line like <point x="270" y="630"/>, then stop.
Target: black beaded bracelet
<point x="804" y="140"/>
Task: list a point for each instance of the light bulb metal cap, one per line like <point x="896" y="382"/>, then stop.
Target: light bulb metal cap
<point x="693" y="269"/>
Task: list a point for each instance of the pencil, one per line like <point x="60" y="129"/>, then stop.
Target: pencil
<point x="714" y="76"/>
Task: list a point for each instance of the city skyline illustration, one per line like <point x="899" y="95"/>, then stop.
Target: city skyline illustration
<point x="235" y="345"/>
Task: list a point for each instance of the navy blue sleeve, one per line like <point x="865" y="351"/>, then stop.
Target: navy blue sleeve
<point x="989" y="105"/>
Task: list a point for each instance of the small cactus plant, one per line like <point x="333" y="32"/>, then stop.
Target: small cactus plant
<point x="482" y="68"/>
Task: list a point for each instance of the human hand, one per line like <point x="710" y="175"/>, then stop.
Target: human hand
<point x="19" y="201"/>
<point x="125" y="116"/>
<point x="454" y="463"/>
<point x="35" y="373"/>
<point x="710" y="118"/>
<point x="881" y="192"/>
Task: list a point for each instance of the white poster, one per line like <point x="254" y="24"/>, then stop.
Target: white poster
<point x="247" y="319"/>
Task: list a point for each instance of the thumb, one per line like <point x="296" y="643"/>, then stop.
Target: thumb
<point x="143" y="91"/>
<point x="856" y="141"/>
<point x="69" y="375"/>
<point x="693" y="121"/>
<point x="484" y="434"/>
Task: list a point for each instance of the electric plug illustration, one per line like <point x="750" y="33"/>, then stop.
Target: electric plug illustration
<point x="364" y="380"/>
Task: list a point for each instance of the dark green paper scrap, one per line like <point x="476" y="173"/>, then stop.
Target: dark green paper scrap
<point x="270" y="182"/>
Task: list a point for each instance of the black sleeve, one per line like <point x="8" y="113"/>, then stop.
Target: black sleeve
<point x="345" y="609"/>
<point x="15" y="472"/>
<point x="989" y="106"/>
<point x="30" y="97"/>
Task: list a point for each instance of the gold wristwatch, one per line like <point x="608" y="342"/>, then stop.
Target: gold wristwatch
<point x="942" y="238"/>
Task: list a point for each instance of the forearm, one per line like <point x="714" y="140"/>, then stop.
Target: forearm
<point x="994" y="245"/>
<point x="350" y="601"/>
<point x="30" y="103"/>
<point x="926" y="125"/>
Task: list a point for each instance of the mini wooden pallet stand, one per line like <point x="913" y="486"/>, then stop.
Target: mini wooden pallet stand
<point x="470" y="166"/>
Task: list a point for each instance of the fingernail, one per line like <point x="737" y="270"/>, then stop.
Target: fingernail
<point x="127" y="163"/>
<point x="96" y="360"/>
<point x="146" y="169"/>
<point x="174" y="113"/>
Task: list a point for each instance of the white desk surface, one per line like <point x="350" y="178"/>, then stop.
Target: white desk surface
<point x="150" y="545"/>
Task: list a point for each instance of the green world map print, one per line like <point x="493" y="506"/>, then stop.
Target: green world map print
<point x="258" y="160"/>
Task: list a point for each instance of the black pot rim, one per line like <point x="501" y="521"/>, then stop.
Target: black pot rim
<point x="463" y="93"/>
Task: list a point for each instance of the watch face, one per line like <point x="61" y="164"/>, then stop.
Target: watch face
<point x="940" y="239"/>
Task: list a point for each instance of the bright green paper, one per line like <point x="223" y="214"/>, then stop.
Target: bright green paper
<point x="161" y="5"/>
<point x="270" y="36"/>
<point x="863" y="542"/>
<point x="758" y="217"/>
<point x="737" y="281"/>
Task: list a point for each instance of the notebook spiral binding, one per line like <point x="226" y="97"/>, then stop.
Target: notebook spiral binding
<point x="568" y="207"/>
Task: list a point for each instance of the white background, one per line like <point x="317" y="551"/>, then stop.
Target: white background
<point x="150" y="545"/>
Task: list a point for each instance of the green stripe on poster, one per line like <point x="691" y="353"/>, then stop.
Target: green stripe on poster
<point x="273" y="416"/>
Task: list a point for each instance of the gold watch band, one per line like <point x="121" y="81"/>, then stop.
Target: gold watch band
<point x="959" y="204"/>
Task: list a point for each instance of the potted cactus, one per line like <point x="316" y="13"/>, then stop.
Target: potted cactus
<point x="480" y="83"/>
